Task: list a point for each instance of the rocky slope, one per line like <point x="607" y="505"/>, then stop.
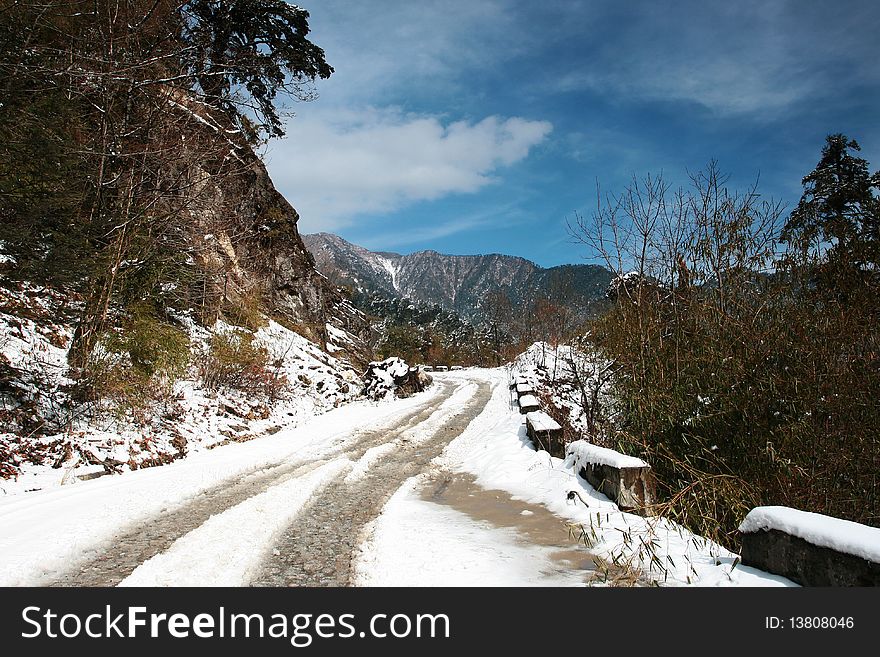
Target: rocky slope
<point x="255" y="248"/>
<point x="188" y="357"/>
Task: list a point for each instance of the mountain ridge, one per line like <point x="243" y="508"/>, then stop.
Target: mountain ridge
<point x="460" y="283"/>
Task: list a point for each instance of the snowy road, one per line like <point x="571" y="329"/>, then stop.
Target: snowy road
<point x="294" y="520"/>
<point x="317" y="549"/>
<point x="335" y="501"/>
<point x="442" y="488"/>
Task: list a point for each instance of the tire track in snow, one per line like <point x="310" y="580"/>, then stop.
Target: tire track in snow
<point x="318" y="547"/>
<point x="109" y="564"/>
<point x="227" y="547"/>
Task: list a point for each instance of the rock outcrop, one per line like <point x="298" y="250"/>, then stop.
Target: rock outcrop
<point x="245" y="240"/>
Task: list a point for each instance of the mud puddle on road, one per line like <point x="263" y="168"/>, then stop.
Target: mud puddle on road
<point x="534" y="523"/>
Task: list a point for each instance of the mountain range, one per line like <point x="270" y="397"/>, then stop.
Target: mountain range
<point x="458" y="283"/>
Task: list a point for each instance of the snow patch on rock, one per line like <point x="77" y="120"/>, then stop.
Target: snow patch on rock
<point x="393" y="377"/>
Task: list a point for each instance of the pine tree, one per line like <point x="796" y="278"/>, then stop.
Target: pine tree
<point x="838" y="216"/>
<point x="255" y="46"/>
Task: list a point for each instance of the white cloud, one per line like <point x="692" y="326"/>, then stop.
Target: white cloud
<point x="336" y="165"/>
<point x="506" y="213"/>
<point x="749" y="57"/>
<point x="714" y="84"/>
<point x="403" y="46"/>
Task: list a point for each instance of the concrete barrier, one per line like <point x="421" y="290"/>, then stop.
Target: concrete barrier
<point x="544" y="432"/>
<point x="625" y="479"/>
<point x="524" y="389"/>
<point x="528" y="403"/>
<point x="809" y="548"/>
<point x="516" y="380"/>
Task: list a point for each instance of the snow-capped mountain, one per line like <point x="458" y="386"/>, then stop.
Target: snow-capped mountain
<point x="458" y="283"/>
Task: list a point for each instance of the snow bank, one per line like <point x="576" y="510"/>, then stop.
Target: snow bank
<point x="583" y="452"/>
<point x="45" y="531"/>
<point x="419" y="543"/>
<point x="495" y="449"/>
<point x="191" y="420"/>
<point x="824" y="531"/>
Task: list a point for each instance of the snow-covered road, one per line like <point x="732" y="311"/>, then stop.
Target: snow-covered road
<point x="394" y="493"/>
<point x="219" y="518"/>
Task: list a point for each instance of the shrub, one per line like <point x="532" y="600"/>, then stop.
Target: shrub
<point x="235" y="361"/>
<point x="134" y="365"/>
<point x="247" y="312"/>
<point x="153" y="346"/>
<point x="741" y="388"/>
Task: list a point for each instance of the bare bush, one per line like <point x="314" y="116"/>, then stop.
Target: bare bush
<point x="736" y="384"/>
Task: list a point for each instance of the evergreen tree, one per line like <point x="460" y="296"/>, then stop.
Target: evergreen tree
<point x="839" y="213"/>
<point x="101" y="135"/>
<point x="258" y="46"/>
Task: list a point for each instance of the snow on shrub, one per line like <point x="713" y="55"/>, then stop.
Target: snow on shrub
<point x="573" y="381"/>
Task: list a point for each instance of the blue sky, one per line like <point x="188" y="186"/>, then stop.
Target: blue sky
<point x="481" y="126"/>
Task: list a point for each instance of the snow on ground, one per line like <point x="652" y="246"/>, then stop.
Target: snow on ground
<point x="418" y="543"/>
<point x="413" y="436"/>
<point x="336" y="337"/>
<point x="413" y="542"/>
<point x="219" y="553"/>
<point x="825" y="531"/>
<point x="53" y="526"/>
<point x="79" y="437"/>
<point x="495" y="449"/>
<point x="391" y="269"/>
<point x="455" y="402"/>
<point x="566" y="374"/>
<point x="370" y="458"/>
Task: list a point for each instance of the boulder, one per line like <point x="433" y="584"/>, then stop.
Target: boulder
<point x="393" y="376"/>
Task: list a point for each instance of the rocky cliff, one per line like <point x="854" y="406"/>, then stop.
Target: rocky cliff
<point x="243" y="235"/>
